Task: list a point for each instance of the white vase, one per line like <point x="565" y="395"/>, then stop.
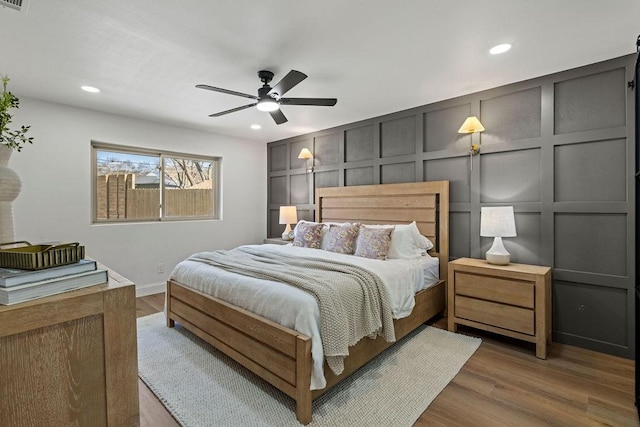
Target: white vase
<point x="10" y="186"/>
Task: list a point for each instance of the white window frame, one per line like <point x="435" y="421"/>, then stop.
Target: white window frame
<point x="216" y="165"/>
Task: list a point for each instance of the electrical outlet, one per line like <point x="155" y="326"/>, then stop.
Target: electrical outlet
<point x="160" y="268"/>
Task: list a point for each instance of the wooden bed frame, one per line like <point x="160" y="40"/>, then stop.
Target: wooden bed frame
<point x="282" y="356"/>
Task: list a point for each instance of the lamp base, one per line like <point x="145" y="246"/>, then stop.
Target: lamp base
<point x="497" y="254"/>
<point x="288" y="233"/>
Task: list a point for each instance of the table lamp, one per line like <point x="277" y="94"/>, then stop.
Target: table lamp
<point x="288" y="216"/>
<point x="497" y="222"/>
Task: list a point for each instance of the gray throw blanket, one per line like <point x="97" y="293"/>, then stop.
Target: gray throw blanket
<point x="352" y="300"/>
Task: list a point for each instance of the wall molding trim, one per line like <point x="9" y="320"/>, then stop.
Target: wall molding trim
<point x="150" y="289"/>
<point x="558" y="148"/>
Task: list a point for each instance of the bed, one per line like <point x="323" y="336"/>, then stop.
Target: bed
<point x="282" y="355"/>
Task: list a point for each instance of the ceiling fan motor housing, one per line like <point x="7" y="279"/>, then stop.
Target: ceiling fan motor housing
<point x="263" y="92"/>
<point x="265" y="76"/>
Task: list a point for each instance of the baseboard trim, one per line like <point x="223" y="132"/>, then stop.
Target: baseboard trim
<point x="592" y="344"/>
<point x="150" y="289"/>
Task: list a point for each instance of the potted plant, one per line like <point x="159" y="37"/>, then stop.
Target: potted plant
<point x="10" y="184"/>
<point x="15" y="139"/>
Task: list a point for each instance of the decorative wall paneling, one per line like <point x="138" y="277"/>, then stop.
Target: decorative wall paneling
<point x="559" y="148"/>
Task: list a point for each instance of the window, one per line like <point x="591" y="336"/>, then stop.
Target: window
<point x="144" y="185"/>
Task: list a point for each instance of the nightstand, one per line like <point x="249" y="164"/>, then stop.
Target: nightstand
<point x="512" y="300"/>
<point x="276" y="241"/>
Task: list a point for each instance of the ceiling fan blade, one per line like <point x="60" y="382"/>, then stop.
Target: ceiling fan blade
<point x="289" y="81"/>
<point x="233" y="110"/>
<point x="227" y="91"/>
<point x="278" y="117"/>
<point x="327" y="102"/>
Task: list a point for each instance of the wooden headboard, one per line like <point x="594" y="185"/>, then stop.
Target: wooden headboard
<point x="426" y="203"/>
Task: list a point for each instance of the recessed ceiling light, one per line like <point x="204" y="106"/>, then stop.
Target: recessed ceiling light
<point x="256" y="127"/>
<point x="90" y="89"/>
<point x="501" y="48"/>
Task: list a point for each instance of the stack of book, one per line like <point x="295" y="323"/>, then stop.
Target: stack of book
<point x="22" y="285"/>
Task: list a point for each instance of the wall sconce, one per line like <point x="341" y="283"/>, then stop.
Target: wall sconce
<point x="307" y="156"/>
<point x="472" y="125"/>
<point x="497" y="222"/>
<point x="288" y="216"/>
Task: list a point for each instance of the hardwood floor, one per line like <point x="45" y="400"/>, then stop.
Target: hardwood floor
<point x="152" y="412"/>
<point x="502" y="384"/>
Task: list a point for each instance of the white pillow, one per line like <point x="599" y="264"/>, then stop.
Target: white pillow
<point x="406" y="241"/>
<point x="424" y="243"/>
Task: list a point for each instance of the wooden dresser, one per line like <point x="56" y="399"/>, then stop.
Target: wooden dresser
<point x="512" y="300"/>
<point x="71" y="358"/>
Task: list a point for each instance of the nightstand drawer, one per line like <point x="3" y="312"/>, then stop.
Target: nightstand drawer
<point x="491" y="288"/>
<point x="495" y="314"/>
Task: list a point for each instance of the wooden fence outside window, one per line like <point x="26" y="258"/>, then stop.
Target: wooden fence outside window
<point x="118" y="199"/>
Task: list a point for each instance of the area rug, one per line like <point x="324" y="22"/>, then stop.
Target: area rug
<point x="201" y="386"/>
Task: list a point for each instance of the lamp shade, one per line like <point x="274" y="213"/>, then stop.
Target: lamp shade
<point x="305" y="154"/>
<point x="471" y="125"/>
<point x="288" y="215"/>
<point x="497" y="221"/>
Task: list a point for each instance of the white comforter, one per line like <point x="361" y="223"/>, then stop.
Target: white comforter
<point x="294" y="308"/>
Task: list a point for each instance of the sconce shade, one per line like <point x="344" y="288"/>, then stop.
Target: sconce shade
<point x="305" y="154"/>
<point x="497" y="221"/>
<point x="288" y="215"/>
<point x="471" y="125"/>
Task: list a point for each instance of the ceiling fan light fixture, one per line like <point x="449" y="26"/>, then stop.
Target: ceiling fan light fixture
<point x="267" y="105"/>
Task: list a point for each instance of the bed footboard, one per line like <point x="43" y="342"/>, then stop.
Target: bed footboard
<point x="429" y="303"/>
<point x="279" y="355"/>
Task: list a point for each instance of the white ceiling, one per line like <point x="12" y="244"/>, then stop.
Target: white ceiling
<point x="375" y="56"/>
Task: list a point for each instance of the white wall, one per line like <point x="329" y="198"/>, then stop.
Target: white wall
<point x="55" y="202"/>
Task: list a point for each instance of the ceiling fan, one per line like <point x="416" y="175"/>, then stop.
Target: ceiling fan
<point x="270" y="99"/>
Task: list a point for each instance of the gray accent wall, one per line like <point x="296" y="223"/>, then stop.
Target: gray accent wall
<point x="558" y="148"/>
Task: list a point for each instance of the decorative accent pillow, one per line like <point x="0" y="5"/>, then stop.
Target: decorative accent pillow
<point x="406" y="241"/>
<point x="342" y="238"/>
<point x="307" y="234"/>
<point x="373" y="243"/>
<point x="323" y="240"/>
<point x="302" y="221"/>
